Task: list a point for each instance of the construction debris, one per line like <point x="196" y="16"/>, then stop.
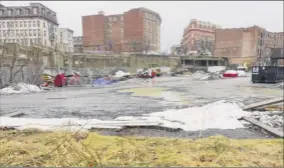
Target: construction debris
<point x="264" y="103"/>
<point x="271" y="130"/>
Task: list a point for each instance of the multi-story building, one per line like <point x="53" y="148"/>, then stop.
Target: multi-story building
<point x="27" y="25"/>
<point x="199" y="36"/>
<point x="78" y="44"/>
<point x="251" y="44"/>
<point x="135" y="30"/>
<point x="65" y="43"/>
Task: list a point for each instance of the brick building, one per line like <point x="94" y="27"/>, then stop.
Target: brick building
<point x="135" y="30"/>
<point x="251" y="44"/>
<point x="199" y="36"/>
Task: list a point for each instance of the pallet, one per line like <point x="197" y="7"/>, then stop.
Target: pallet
<point x="263" y="103"/>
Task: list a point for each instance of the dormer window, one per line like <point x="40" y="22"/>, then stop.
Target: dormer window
<point x="1" y="12"/>
<point x="10" y="12"/>
<point x="43" y="11"/>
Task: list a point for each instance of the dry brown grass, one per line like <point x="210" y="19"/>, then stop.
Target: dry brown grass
<point x="33" y="148"/>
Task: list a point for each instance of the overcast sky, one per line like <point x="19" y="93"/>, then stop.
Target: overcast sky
<point x="175" y="14"/>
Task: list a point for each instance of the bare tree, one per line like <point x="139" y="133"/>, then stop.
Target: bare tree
<point x="137" y="46"/>
<point x="185" y="49"/>
<point x="146" y="48"/>
<point x="12" y="58"/>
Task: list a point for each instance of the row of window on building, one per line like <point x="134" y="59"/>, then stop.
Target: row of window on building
<point x="115" y="18"/>
<point x="152" y="17"/>
<point x="24" y="11"/>
<point x="25" y="42"/>
<point x="20" y="24"/>
<point x="24" y="33"/>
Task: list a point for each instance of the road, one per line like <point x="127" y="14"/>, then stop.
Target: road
<point x="135" y="97"/>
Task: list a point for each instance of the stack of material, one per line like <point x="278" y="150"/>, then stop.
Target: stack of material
<point x="273" y="119"/>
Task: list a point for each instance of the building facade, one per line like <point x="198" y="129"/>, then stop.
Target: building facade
<point x="251" y="44"/>
<point x="135" y="30"/>
<point x="199" y="37"/>
<point x="28" y="25"/>
<point x="65" y="43"/>
<point x="78" y="44"/>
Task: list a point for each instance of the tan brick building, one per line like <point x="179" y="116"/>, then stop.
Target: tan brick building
<point x="199" y="36"/>
<point x="133" y="31"/>
<point x="251" y="44"/>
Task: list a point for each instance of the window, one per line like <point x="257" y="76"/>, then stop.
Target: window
<point x="30" y="32"/>
<point x="38" y="23"/>
<point x="34" y="23"/>
<point x="114" y="19"/>
<point x="16" y="23"/>
<point x="34" y="11"/>
<point x="18" y="12"/>
<point x="9" y="12"/>
<point x="44" y="33"/>
<point x="21" y="24"/>
<point x="27" y="11"/>
<point x="44" y="24"/>
<point x="25" y="23"/>
<point x="1" y="12"/>
<point x="30" y="24"/>
<point x="34" y="32"/>
<point x="43" y="11"/>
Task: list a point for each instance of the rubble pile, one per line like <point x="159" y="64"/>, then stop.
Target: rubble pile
<point x="273" y="119"/>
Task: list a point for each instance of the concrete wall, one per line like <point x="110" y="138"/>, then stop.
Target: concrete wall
<point x="132" y="61"/>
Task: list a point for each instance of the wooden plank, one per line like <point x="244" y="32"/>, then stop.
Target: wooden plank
<point x="264" y="103"/>
<point x="271" y="130"/>
<point x="15" y="114"/>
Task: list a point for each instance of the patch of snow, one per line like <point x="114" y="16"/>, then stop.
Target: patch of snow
<point x="214" y="69"/>
<point x="218" y="115"/>
<point x="120" y="74"/>
<point x="20" y="88"/>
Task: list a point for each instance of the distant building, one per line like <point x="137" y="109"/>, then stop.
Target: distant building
<point x="251" y="44"/>
<point x="27" y="25"/>
<point x="176" y="50"/>
<point x="136" y="30"/>
<point x="199" y="36"/>
<point x="78" y="44"/>
<point x="65" y="43"/>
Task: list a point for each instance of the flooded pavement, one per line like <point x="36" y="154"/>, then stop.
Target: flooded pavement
<point x="135" y="97"/>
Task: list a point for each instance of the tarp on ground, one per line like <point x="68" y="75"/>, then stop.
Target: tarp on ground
<point x="103" y="82"/>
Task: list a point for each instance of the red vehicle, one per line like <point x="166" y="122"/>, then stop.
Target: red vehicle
<point x="230" y="73"/>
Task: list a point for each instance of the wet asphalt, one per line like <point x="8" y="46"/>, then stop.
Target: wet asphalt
<point x="107" y="103"/>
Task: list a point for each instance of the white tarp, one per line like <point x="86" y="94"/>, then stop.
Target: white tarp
<point x="119" y="74"/>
